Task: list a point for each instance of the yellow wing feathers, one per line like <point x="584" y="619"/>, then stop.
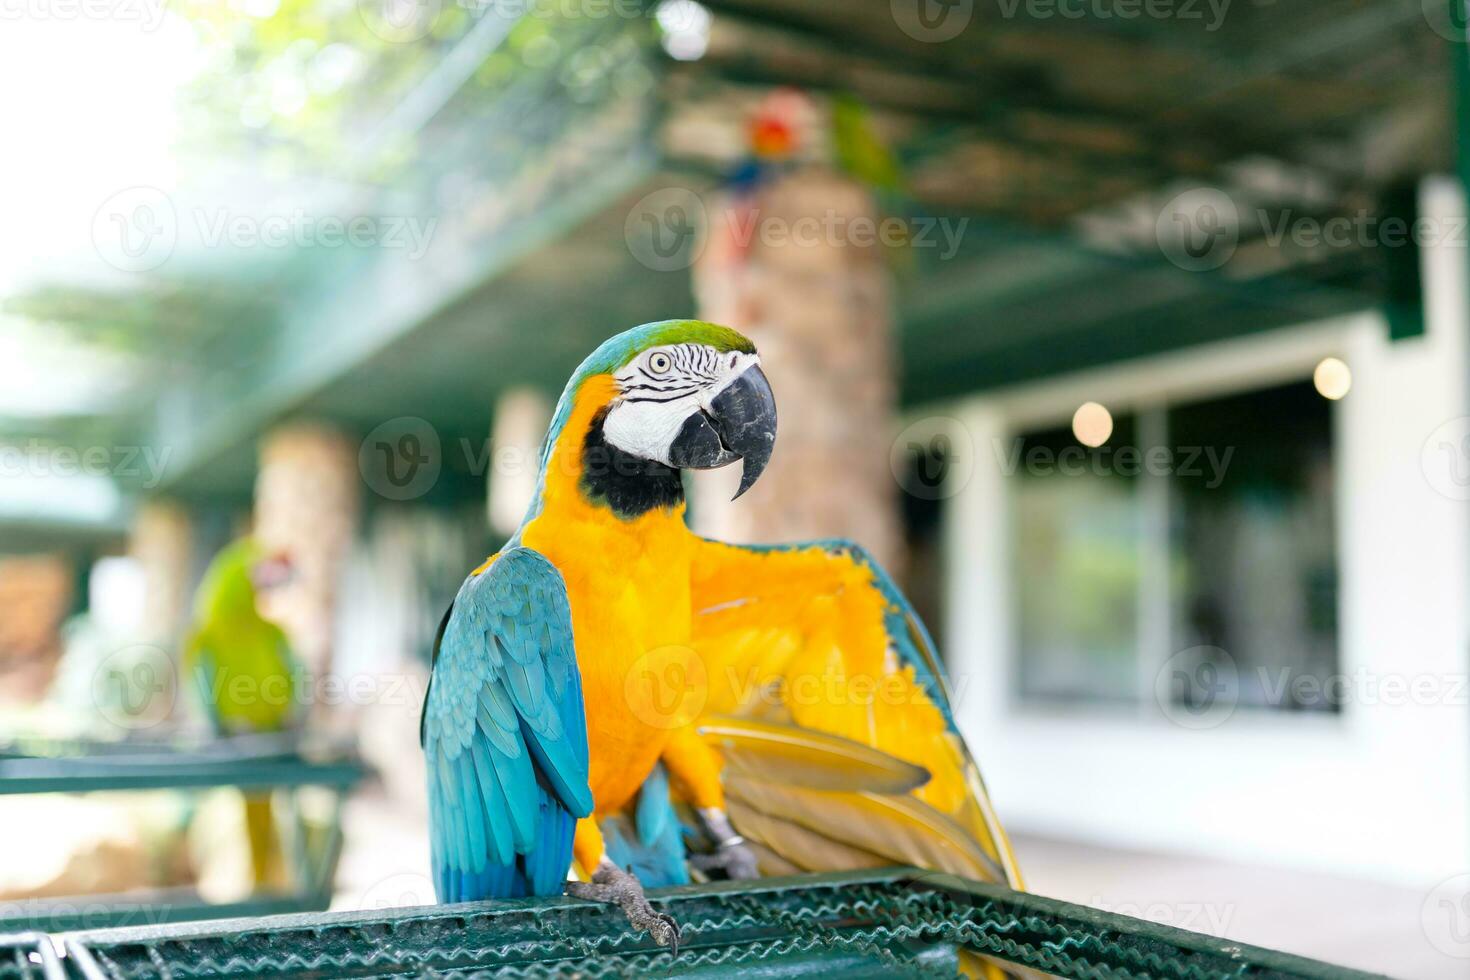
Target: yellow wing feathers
<point x="823" y="728"/>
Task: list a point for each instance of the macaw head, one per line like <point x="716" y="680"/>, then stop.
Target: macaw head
<point x="686" y="394"/>
<point x="236" y="575"/>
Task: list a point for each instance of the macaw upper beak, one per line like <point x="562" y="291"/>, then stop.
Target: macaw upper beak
<point x="740" y="423"/>
<point x="273" y="571"/>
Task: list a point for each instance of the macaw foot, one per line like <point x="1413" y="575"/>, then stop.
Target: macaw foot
<point x="613" y="885"/>
<point x="731" y="854"/>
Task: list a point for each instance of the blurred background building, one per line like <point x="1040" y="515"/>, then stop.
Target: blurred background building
<point x="1133" y="336"/>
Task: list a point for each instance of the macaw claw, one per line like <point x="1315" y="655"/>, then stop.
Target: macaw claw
<point x="612" y="885"/>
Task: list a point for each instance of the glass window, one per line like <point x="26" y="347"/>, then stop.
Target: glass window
<point x="1216" y="532"/>
<point x="1075" y="547"/>
<point x="1253" y="538"/>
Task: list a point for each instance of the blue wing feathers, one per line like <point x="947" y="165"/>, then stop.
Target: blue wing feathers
<point x="505" y="735"/>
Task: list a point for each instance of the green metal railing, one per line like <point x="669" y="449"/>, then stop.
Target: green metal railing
<point x="899" y="922"/>
<point x="258" y="764"/>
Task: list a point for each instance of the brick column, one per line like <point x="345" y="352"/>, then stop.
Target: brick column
<point x="162" y="542"/>
<point x="795" y="266"/>
<point x="306" y="503"/>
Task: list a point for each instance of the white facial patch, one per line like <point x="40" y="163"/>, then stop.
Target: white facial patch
<point x="661" y="388"/>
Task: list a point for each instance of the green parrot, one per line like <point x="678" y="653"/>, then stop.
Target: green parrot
<point x="244" y="672"/>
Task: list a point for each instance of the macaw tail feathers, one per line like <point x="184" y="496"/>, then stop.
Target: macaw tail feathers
<point x="267" y="863"/>
<point x="650" y="841"/>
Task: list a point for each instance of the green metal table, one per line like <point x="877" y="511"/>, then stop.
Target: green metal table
<point x="248" y="763"/>
<point x="899" y="922"/>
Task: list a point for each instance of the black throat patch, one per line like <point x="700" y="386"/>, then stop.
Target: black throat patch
<point x="627" y="485"/>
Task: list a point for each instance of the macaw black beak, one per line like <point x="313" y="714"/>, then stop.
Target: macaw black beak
<point x="740" y="423"/>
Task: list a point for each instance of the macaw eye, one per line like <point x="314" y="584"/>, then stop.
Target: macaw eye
<point x="659" y="362"/>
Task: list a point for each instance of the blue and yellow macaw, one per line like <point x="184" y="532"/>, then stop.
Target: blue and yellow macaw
<point x="609" y="672"/>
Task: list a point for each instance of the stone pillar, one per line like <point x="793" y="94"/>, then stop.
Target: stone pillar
<point x="519" y="427"/>
<point x="35" y="595"/>
<point x="306" y="504"/>
<point x="162" y="542"/>
<point x="796" y="267"/>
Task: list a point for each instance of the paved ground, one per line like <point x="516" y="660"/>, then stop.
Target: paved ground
<point x="1355" y="923"/>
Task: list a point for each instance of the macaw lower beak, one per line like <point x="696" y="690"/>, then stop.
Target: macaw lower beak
<point x="740" y="423"/>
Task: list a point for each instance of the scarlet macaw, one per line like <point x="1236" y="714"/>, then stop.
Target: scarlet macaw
<point x="608" y="663"/>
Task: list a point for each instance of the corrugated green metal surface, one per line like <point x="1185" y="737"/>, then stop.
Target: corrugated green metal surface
<point x="864" y="924"/>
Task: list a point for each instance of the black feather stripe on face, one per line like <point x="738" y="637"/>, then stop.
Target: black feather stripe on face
<point x="629" y="486"/>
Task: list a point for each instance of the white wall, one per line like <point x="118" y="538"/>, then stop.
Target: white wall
<point x="1381" y="790"/>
